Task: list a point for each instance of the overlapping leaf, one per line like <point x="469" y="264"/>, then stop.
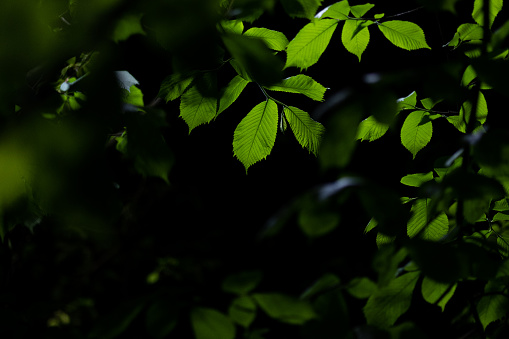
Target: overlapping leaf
<point x="339" y="10"/>
<point x="421" y="224"/>
<point x="211" y="324"/>
<point x="370" y="129"/>
<point x="231" y="92"/>
<point x="174" y="86"/>
<point x="309" y="44"/>
<point x="302" y="84"/>
<point x="275" y="40"/>
<point x="355" y="37"/>
<point x="478" y="12"/>
<point x="436" y="292"/>
<point x="306" y="130"/>
<point x="197" y="109"/>
<point x="404" y="34"/>
<point x="255" y="135"/>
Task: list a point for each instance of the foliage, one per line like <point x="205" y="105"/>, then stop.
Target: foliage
<point x="123" y="216"/>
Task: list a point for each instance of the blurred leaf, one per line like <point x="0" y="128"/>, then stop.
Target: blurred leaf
<point x="243" y="310"/>
<point x="478" y="13"/>
<point x="285" y="308"/>
<point x="437" y="293"/>
<point x="324" y="284"/>
<point x="388" y="303"/>
<point x="126" y="26"/>
<point x="211" y="324"/>
<point x="492" y="153"/>
<point x="301" y="8"/>
<point x="161" y="318"/>
<point x="242" y="282"/>
<point x="417" y="179"/>
<point x="118" y="320"/>
<point x="315" y="221"/>
<point x="361" y="288"/>
<point x="442" y="5"/>
<point x="173" y="86"/>
<point x="493" y="306"/>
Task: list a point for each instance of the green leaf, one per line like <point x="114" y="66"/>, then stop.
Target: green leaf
<point x="417" y="179"/>
<point x="285" y="308"/>
<point x="255" y="135"/>
<point x="242" y="282"/>
<point x="232" y="26"/>
<point x="407" y="102"/>
<point x="301" y="8"/>
<point x="370" y="129"/>
<point x="429" y="103"/>
<point x="316" y="222"/>
<point x="309" y="44"/>
<point x="339" y="10"/>
<point x="255" y="58"/>
<point x="361" y="288"/>
<point x="404" y="34"/>
<point x="174" y="86"/>
<point x="466" y="32"/>
<point x="127" y="25"/>
<point x="231" y="92"/>
<point x="306" y="130"/>
<point x="492" y="308"/>
<point x="133" y="97"/>
<point x="478" y="12"/>
<point x="436" y="292"/>
<point x="275" y="40"/>
<point x="197" y="109"/>
<point x="421" y="224"/>
<point x="355" y="36"/>
<point x="325" y="283"/>
<point x="242" y="310"/>
<point x="301" y="84"/>
<point x="415" y="133"/>
<point x="460" y="121"/>
<point x="359" y="10"/>
<point x="388" y="303"/>
<point x="211" y="324"/>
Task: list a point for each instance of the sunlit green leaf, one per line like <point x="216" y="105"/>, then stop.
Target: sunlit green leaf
<point x="339" y="10"/>
<point x="302" y="84"/>
<point x="285" y="308"/>
<point x="478" y="12"/>
<point x="211" y="324"/>
<point x="420" y="223"/>
<point x="232" y="26"/>
<point x="309" y="44"/>
<point x="493" y="306"/>
<point x="407" y="102"/>
<point x="306" y="130"/>
<point x="255" y="135"/>
<point x="417" y="179"/>
<point x="460" y="121"/>
<point x="275" y="40"/>
<point x="197" y="109"/>
<point x="231" y="93"/>
<point x="404" y="34"/>
<point x="370" y="129"/>
<point x="388" y="303"/>
<point x="415" y="134"/>
<point x="355" y="36"/>
<point x="359" y="10"/>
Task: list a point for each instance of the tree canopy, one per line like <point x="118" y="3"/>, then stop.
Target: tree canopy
<point x="254" y="169"/>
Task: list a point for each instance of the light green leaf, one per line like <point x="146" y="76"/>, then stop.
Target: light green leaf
<point x="416" y="133"/>
<point x="231" y="93"/>
<point x="360" y="10"/>
<point x="211" y="324"/>
<point x="232" y="26"/>
<point x="174" y="86"/>
<point x="133" y="97"/>
<point x="420" y="223"/>
<point x="255" y="135"/>
<point x="126" y="26"/>
<point x="370" y="129"/>
<point x="285" y="308"/>
<point x="460" y="121"/>
<point x="437" y="292"/>
<point x="417" y="179"/>
<point x="478" y="12"/>
<point x="275" y="40"/>
<point x="388" y="303"/>
<point x="242" y="282"/>
<point x="196" y="109"/>
<point x="429" y="103"/>
<point x="302" y="84"/>
<point x="309" y="44"/>
<point x="242" y="310"/>
<point x="371" y="225"/>
<point x="306" y="130"/>
<point x="407" y="102"/>
<point x="339" y="10"/>
<point x="404" y="34"/>
<point x="355" y="36"/>
<point x="301" y="8"/>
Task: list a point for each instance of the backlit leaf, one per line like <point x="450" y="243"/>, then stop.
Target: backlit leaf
<point x="404" y="34"/>
<point x="255" y="135"/>
<point x="415" y="134"/>
<point x="460" y="121"/>
<point x="407" y="102"/>
<point x="360" y="10"/>
<point x="306" y="130"/>
<point x="211" y="324"/>
<point x="197" y="109"/>
<point x="436" y="292"/>
<point x="493" y="306"/>
<point x="388" y="303"/>
<point x="339" y="10"/>
<point x="421" y="224"/>
<point x="478" y="12"/>
<point x="285" y="308"/>
<point x="417" y="179"/>
<point x="355" y="37"/>
<point x="309" y="44"/>
<point x="370" y="129"/>
<point x="174" y="86"/>
<point x="231" y="93"/>
<point x="302" y="84"/>
<point x="275" y="40"/>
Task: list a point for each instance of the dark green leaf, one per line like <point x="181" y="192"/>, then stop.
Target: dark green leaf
<point x="325" y="284"/>
<point x="478" y="12"/>
<point x="339" y="10"/>
<point x="242" y="282"/>
<point x="301" y="8"/>
<point x="161" y="318"/>
<point x="417" y="179"/>
<point x="437" y="293"/>
<point x="243" y="310"/>
<point x="174" y="86"/>
<point x="361" y="288"/>
<point x="211" y="324"/>
<point x="415" y="134"/>
<point x="285" y="308"/>
<point x="126" y="26"/>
